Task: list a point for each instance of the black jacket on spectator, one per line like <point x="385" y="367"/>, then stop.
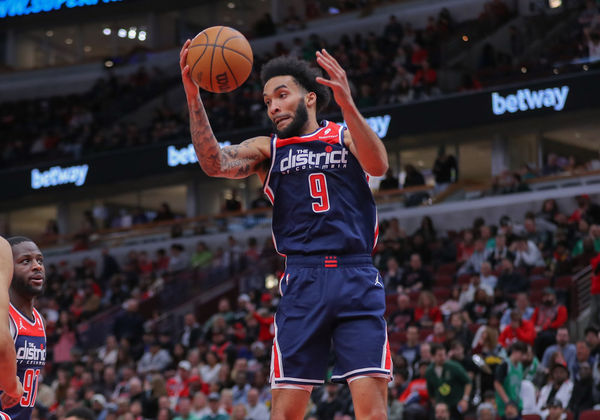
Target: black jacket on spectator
<point x="442" y="169"/>
<point x="400" y="319"/>
<point x="411" y="277"/>
<point x="582" y="397"/>
<point x="512" y="282"/>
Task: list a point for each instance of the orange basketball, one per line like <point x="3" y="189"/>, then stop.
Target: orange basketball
<point x="220" y="59"/>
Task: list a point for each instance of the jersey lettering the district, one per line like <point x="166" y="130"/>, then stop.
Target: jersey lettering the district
<point x="321" y="199"/>
<point x="30" y="346"/>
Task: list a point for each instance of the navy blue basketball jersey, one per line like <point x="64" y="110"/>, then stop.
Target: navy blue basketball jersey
<point x="30" y="345"/>
<point x="321" y="199"/>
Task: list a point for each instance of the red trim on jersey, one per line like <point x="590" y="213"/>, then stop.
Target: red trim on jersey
<point x="24" y="324"/>
<point x="316" y="136"/>
<point x="4" y="416"/>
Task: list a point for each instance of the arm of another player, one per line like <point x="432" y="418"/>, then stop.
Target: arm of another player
<point x="237" y="161"/>
<point x="362" y="141"/>
<point x="9" y="383"/>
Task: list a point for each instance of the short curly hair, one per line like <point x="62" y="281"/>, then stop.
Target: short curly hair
<point x="303" y="74"/>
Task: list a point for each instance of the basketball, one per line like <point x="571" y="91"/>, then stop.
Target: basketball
<point x="220" y="59"/>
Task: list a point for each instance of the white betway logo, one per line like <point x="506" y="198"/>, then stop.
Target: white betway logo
<point x="185" y="155"/>
<point x="30" y="353"/>
<point x="59" y="176"/>
<point x="306" y="159"/>
<point x="379" y="124"/>
<point x="525" y="100"/>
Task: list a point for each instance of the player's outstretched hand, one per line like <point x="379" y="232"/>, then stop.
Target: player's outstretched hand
<point x="191" y="90"/>
<point x="7" y="401"/>
<point x="338" y="82"/>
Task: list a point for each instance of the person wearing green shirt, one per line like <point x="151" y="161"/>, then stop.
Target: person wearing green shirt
<point x="202" y="257"/>
<point x="215" y="412"/>
<point x="508" y="378"/>
<point x="448" y="382"/>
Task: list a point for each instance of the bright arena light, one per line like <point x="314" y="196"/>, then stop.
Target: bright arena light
<point x="122" y="33"/>
<point x="132" y="33"/>
<point x="142" y="35"/>
<point x="106" y="31"/>
<point x="108" y="64"/>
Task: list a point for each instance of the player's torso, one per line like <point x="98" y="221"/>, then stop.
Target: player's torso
<point x="321" y="198"/>
<point x="30" y="346"/>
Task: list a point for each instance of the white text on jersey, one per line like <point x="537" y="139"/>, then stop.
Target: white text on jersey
<point x="306" y="159"/>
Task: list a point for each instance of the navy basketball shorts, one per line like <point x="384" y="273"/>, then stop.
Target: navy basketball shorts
<point x="330" y="303"/>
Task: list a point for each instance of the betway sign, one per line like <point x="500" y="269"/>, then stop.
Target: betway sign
<point x="379" y="124"/>
<point x="185" y="155"/>
<point x="59" y="176"/>
<point x="527" y="100"/>
<point x="9" y="8"/>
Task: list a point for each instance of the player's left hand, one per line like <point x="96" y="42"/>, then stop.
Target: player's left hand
<point x="338" y="82"/>
<point x="7" y="401"/>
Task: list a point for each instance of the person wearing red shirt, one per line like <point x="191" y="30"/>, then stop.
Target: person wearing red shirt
<point x="518" y="330"/>
<point x="595" y="292"/>
<point x="427" y="312"/>
<point x="415" y="397"/>
<point x="266" y="333"/>
<point x="547" y="318"/>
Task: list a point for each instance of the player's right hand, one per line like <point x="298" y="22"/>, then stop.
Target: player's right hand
<point x="10" y="398"/>
<point x="191" y="90"/>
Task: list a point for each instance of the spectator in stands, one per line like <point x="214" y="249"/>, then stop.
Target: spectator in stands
<point x="448" y="382"/>
<point x="403" y="315"/>
<point x="392" y="278"/>
<point x="530" y="366"/>
<point x="164" y="213"/>
<point x="582" y="397"/>
<point x="508" y="378"/>
<point x="414" y="178"/>
<point x="457" y="353"/>
<point x="129" y="324"/>
<point x="473" y="264"/>
<point x="593" y="341"/>
<point x="415" y="277"/>
<point x="526" y="253"/>
<point x="210" y="368"/>
<point x="593" y="237"/>
<point x="155" y="359"/>
<point x="202" y="257"/>
<point x="410" y="349"/>
<point x="427" y="312"/>
<point x="499" y="252"/>
<point x="445" y="170"/>
<point x="547" y="319"/>
<point x="582" y="356"/>
<point x="108" y="352"/>
<point x="415" y="398"/>
<point x="466" y="246"/>
<point x="192" y="331"/>
<point x="511" y="281"/>
<point x="487" y="277"/>
<point x="213" y="404"/>
<point x="390" y="182"/>
<point x="478" y="310"/>
<point x="486" y="411"/>
<point x="539" y="236"/>
<point x="521" y="305"/>
<point x="567" y="350"/>
<point x="178" y="260"/>
<point x="460" y="329"/>
<point x="517" y="330"/>
<point x="557" y="391"/>
<point x="549" y="211"/>
<point x="256" y="409"/>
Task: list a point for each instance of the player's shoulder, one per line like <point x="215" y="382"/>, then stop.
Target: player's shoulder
<point x="261" y="143"/>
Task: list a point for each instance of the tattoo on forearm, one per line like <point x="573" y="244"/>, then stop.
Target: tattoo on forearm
<point x="237" y="161"/>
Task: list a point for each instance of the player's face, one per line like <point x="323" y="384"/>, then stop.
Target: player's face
<point x="29" y="274"/>
<point x="285" y="106"/>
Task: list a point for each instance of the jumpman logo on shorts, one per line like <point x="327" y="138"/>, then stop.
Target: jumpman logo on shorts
<point x="377" y="282"/>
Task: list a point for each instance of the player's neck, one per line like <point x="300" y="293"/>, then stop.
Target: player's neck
<point x="310" y="127"/>
<point x="23" y="304"/>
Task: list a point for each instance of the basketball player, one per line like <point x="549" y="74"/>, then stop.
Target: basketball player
<point x="26" y="324"/>
<point x="10" y="386"/>
<point x="324" y="222"/>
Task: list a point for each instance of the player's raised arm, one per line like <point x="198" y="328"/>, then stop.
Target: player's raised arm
<point x="9" y="384"/>
<point x="238" y="161"/>
<point x="362" y="142"/>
